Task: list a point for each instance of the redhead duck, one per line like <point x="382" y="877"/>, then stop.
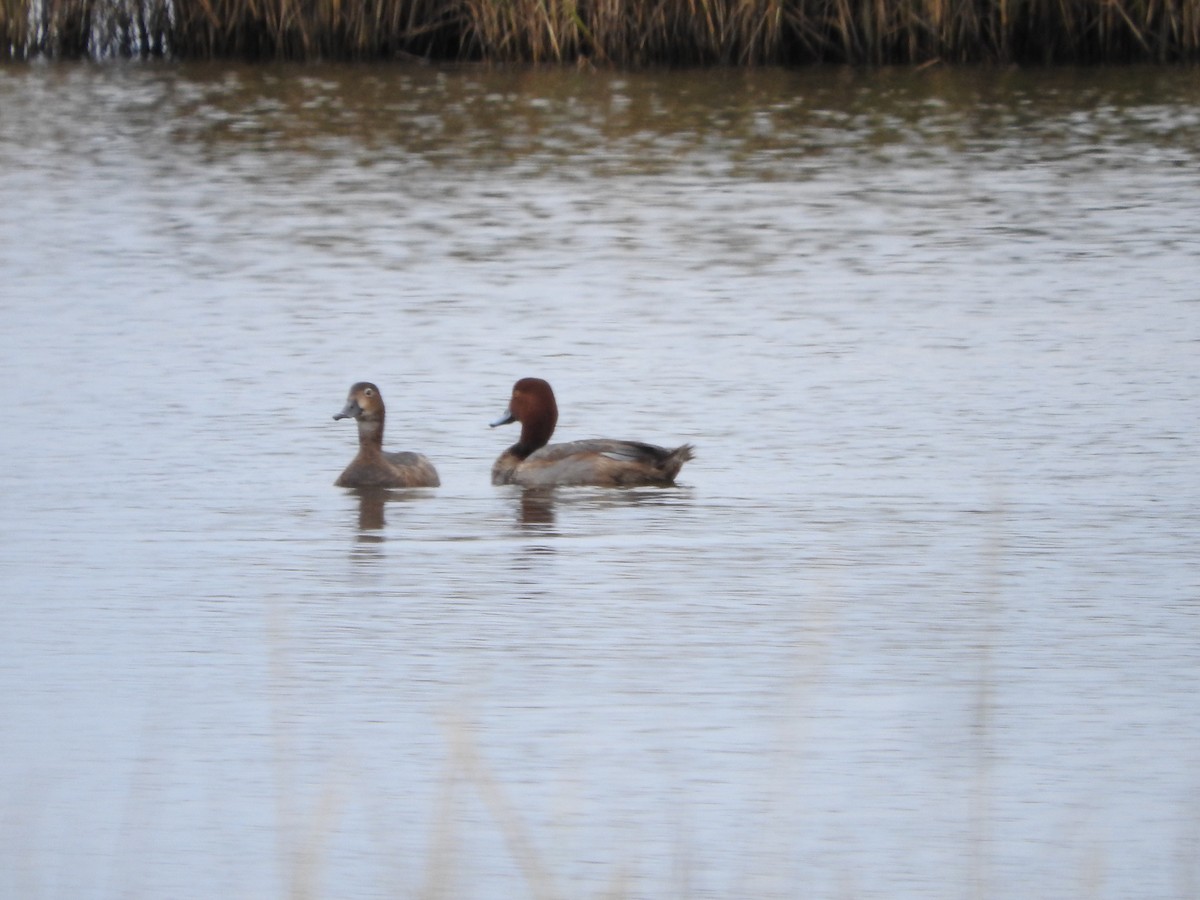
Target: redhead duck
<point x="606" y="463"/>
<point x="373" y="468"/>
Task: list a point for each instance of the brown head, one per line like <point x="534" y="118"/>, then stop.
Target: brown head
<point x="532" y="404"/>
<point x="365" y="404"/>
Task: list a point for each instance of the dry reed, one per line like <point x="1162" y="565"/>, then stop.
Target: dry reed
<point x="618" y="32"/>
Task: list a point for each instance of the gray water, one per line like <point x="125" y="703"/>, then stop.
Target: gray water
<point x="919" y="621"/>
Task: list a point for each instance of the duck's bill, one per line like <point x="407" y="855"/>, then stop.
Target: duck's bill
<point x="349" y="411"/>
<point x="505" y="419"/>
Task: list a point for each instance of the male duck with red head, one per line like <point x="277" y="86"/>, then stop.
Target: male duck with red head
<point x="534" y="462"/>
<point x="373" y="468"/>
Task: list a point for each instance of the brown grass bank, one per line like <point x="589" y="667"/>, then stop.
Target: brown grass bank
<point x="616" y="32"/>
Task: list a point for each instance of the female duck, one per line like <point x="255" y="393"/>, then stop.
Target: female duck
<point x="606" y="463"/>
<point x="373" y="468"/>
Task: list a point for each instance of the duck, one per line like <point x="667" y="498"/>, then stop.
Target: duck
<point x="373" y="468"/>
<point x="534" y="462"/>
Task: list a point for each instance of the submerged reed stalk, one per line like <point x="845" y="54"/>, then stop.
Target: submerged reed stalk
<point x="619" y="32"/>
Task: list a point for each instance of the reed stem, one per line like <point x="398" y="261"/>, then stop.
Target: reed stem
<point x="618" y="32"/>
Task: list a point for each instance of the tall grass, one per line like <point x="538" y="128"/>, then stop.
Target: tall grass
<point x="619" y="32"/>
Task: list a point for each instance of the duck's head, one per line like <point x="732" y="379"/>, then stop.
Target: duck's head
<point x="365" y="403"/>
<point x="532" y="404"/>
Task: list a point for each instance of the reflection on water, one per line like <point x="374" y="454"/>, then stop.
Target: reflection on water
<point x="919" y="621"/>
<point x="536" y="508"/>
<point x="370" y="512"/>
<point x="371" y="503"/>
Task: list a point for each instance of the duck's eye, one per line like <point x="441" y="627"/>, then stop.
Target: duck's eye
<point x="368" y="393"/>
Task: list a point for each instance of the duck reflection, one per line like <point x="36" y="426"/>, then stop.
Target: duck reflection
<point x="371" y="503"/>
<point x="537" y="508"/>
<point x="370" y="509"/>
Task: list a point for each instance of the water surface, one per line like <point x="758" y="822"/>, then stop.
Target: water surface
<point x="919" y="621"/>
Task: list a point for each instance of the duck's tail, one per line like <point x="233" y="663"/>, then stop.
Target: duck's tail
<point x="673" y="461"/>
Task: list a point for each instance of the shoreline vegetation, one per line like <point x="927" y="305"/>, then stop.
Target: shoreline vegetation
<point x="609" y="32"/>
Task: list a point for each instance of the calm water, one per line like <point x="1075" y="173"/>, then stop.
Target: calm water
<point x="922" y="620"/>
